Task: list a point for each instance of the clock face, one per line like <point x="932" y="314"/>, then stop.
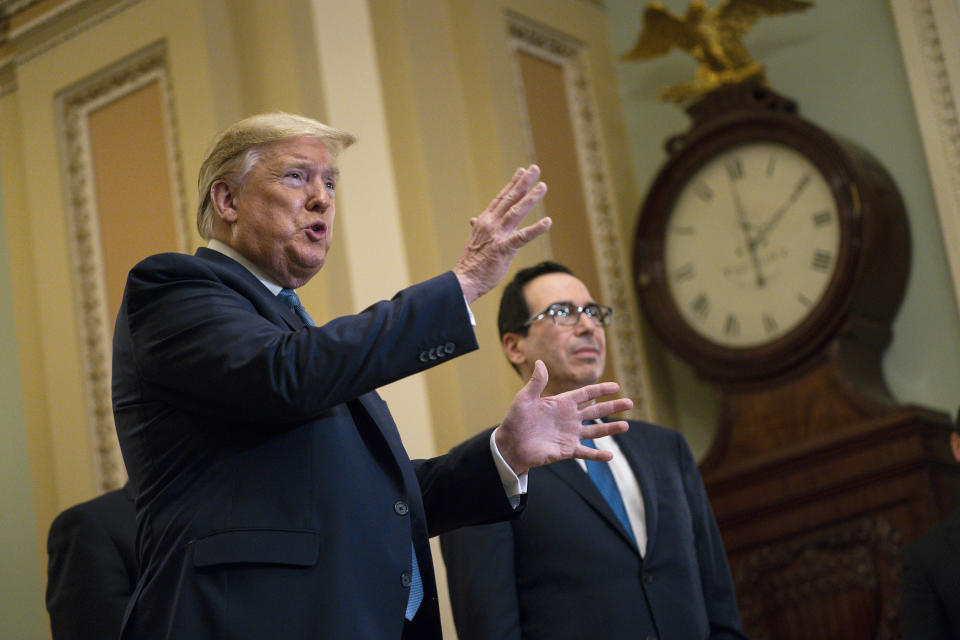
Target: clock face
<point x="751" y="244"/>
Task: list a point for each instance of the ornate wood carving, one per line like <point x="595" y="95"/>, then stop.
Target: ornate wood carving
<point x="813" y="528"/>
<point x="855" y="562"/>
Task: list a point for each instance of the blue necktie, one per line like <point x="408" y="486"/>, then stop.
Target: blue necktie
<point x="290" y="298"/>
<point x="601" y="475"/>
<point x="416" y="587"/>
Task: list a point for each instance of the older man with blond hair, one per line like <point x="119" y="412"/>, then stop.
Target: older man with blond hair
<point x="274" y="496"/>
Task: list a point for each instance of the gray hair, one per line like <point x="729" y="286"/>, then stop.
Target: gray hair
<point x="235" y="151"/>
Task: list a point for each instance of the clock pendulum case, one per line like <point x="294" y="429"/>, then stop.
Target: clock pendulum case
<point x="772" y="256"/>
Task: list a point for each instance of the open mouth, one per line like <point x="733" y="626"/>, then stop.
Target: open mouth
<point x="316" y="231"/>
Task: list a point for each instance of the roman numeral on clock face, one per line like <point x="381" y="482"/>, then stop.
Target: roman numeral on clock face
<point x="703" y="191"/>
<point x="822" y="218"/>
<point x="821" y="260"/>
<point x="731" y="326"/>
<point x="683" y="273"/>
<point x="734" y="168"/>
<point x="700" y="306"/>
<point x="769" y="323"/>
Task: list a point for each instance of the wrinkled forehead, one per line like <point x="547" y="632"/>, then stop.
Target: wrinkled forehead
<point x="544" y="290"/>
<point x="306" y="153"/>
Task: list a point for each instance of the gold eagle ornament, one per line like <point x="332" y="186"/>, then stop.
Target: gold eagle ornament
<point x="712" y="36"/>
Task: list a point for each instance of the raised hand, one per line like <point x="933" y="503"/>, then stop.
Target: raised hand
<point x="538" y="431"/>
<point x="495" y="237"/>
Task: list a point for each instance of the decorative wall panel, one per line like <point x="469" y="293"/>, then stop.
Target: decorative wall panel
<point x="929" y="33"/>
<point x="101" y="232"/>
<point x="600" y="228"/>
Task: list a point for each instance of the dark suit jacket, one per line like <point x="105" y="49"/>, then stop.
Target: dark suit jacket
<point x="274" y="497"/>
<point x="92" y="567"/>
<point x="567" y="569"/>
<point x="930" y="583"/>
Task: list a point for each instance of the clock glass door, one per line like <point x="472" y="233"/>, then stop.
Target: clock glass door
<point x="751" y="244"/>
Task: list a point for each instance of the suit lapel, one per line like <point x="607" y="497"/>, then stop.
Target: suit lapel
<point x="642" y="467"/>
<point x="377" y="409"/>
<point x="379" y="414"/>
<point x="289" y="316"/>
<point x="254" y="290"/>
<point x="273" y="310"/>
<point x="570" y="472"/>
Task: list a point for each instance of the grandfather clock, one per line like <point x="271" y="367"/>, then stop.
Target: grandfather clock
<point x="772" y="255"/>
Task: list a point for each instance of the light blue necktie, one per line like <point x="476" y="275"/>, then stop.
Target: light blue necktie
<point x="601" y="475"/>
<point x="416" y="587"/>
<point x="292" y="300"/>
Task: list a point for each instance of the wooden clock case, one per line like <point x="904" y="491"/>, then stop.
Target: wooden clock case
<point x="816" y="476"/>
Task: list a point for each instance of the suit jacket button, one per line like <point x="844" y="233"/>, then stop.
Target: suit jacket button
<point x="433" y="353"/>
<point x="423" y="356"/>
<point x="440" y="352"/>
<point x="448" y="347"/>
<point x="401" y="508"/>
<point x="406" y="579"/>
<point x="648" y="578"/>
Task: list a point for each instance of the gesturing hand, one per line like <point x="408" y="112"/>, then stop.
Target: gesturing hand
<point x="495" y="238"/>
<point x="538" y="431"/>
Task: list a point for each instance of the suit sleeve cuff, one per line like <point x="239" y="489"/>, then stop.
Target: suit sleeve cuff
<point x="514" y="485"/>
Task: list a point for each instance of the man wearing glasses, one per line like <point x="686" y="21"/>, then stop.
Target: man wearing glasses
<point x="622" y="550"/>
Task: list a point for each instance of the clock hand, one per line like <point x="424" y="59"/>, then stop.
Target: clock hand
<point x="750" y="242"/>
<point x="779" y="213"/>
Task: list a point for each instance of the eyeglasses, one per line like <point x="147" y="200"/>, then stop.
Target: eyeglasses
<point x="567" y="314"/>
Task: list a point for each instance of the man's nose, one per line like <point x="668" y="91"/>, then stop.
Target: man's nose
<point x="320" y="198"/>
<point x="585" y="324"/>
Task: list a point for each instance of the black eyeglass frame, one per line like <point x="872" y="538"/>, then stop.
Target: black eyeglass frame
<point x="601" y="315"/>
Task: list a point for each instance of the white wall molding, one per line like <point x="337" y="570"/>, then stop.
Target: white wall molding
<point x="929" y="32"/>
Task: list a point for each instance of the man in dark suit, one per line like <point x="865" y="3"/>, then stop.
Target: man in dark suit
<point x="623" y="551"/>
<point x="92" y="567"/>
<point x="274" y="496"/>
<point x="930" y="576"/>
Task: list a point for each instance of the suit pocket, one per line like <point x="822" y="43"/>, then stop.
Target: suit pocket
<point x="257" y="546"/>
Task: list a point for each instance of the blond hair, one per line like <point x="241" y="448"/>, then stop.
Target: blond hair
<point x="235" y="151"/>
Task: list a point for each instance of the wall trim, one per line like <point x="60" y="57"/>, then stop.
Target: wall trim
<point x="624" y="340"/>
<point x="74" y="104"/>
<point x="64" y="22"/>
<point x="929" y="33"/>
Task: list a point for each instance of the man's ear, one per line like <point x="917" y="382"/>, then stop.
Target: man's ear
<point x="513" y="347"/>
<point x="223" y="197"/>
<point x="955" y="445"/>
